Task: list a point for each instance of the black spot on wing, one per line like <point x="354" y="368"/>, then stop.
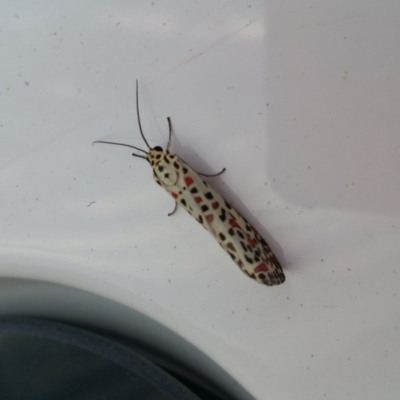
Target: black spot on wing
<point x="248" y="259"/>
<point x="243" y="246"/>
<point x="230" y="246"/>
<point x="240" y="234"/>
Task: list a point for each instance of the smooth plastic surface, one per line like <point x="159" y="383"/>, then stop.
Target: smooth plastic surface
<point x="163" y="346"/>
<point x="298" y="100"/>
<point x="59" y="362"/>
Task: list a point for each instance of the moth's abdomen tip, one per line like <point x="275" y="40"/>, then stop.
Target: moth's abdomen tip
<point x="271" y="278"/>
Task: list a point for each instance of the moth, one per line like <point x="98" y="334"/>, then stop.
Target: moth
<point x="235" y="235"/>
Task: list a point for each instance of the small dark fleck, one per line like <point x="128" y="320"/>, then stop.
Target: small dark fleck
<point x="230" y="246"/>
<point x="193" y="190"/>
<point x="231" y="232"/>
<point x="209" y="196"/>
<point x="248" y="259"/>
<point x="222" y="236"/>
<point x="204" y="208"/>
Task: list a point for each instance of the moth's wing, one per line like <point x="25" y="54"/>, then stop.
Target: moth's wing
<point x="259" y="260"/>
<point x="235" y="235"/>
<point x="248" y="249"/>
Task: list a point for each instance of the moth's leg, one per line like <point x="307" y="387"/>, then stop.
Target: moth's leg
<point x="208" y="175"/>
<point x="174" y="210"/>
<point x="170" y="134"/>
<point x="212" y="175"/>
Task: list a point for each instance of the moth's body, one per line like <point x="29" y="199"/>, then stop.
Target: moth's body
<point x="235" y="235"/>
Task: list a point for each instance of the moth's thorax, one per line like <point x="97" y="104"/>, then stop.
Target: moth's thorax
<point x="154" y="157"/>
<point x="165" y="170"/>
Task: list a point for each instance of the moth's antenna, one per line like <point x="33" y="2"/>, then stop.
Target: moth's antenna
<point x="170" y="133"/>
<point x="126" y="145"/>
<point x="138" y="116"/>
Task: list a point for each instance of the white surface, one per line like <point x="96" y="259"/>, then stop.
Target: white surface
<point x="299" y="101"/>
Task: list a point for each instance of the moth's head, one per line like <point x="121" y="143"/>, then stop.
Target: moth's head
<point x="154" y="155"/>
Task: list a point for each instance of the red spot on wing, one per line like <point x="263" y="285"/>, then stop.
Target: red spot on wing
<point x="198" y="199"/>
<point x="188" y="180"/>
<point x="209" y="218"/>
<point x="215" y="205"/>
<point x="251" y="242"/>
<point x="233" y="223"/>
<point x="174" y="195"/>
<point x="261" y="267"/>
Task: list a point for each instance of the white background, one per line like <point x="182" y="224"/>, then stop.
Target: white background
<point x="298" y="100"/>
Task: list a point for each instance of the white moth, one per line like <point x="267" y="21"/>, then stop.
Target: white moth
<point x="235" y="235"/>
